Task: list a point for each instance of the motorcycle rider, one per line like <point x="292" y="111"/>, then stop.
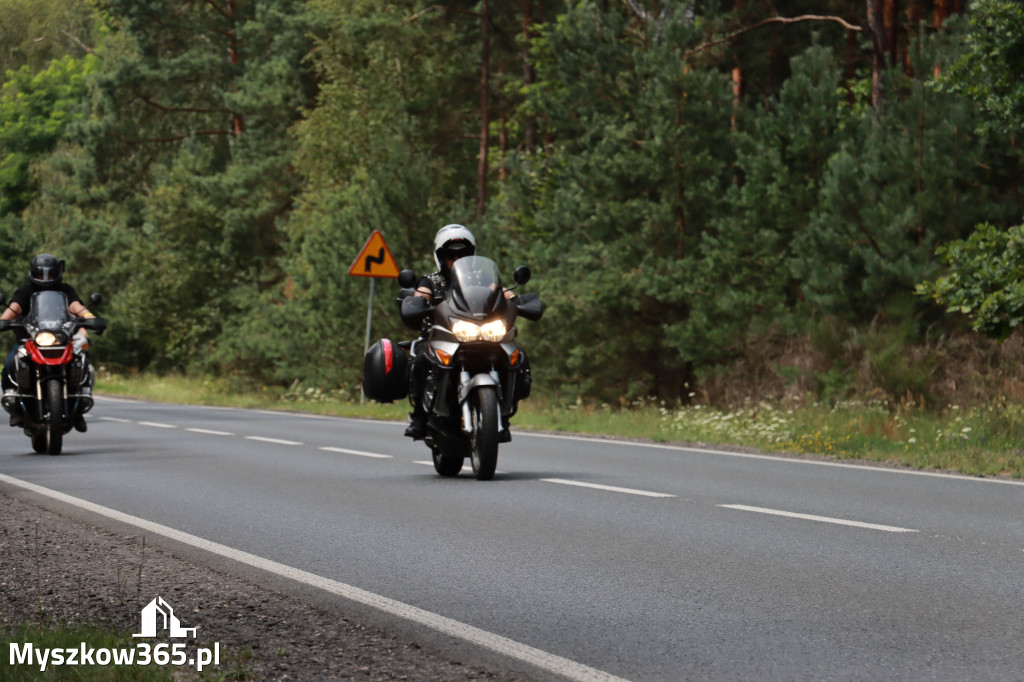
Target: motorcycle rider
<point x="451" y="243"/>
<point x="46" y="273"/>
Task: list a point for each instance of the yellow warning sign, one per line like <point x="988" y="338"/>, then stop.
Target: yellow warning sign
<point x="374" y="260"/>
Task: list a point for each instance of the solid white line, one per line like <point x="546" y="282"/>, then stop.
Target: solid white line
<point x="211" y="432"/>
<point x="823" y="519"/>
<point x="781" y="459"/>
<point x="158" y="425"/>
<point x="522" y="652"/>
<point x="597" y="486"/>
<point x="358" y="453"/>
<point x="276" y="441"/>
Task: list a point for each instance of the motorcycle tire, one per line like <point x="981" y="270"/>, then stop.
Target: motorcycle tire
<point x="53" y="416"/>
<point x="447" y="464"/>
<point x="483" y="412"/>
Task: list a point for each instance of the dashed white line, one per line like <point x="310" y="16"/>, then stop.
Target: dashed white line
<point x="211" y="432"/>
<point x="358" y="453"/>
<point x="610" y="488"/>
<point x="276" y="441"/>
<point x="158" y="425"/>
<point x="448" y="626"/>
<point x="821" y="519"/>
<point x="115" y="419"/>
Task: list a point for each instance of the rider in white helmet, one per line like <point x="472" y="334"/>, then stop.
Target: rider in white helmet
<point x="451" y="243"/>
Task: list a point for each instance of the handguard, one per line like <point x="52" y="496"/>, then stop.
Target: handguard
<point x="412" y="310"/>
<point x="529" y="306"/>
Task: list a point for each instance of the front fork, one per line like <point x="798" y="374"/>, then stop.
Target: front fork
<point x="467" y="384"/>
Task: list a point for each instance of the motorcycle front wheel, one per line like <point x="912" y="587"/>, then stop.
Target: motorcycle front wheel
<point x="53" y="417"/>
<point x="483" y="412"/>
<point x="447" y="463"/>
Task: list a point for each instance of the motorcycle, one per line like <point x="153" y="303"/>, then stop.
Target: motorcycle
<point x="52" y="381"/>
<point x="476" y="370"/>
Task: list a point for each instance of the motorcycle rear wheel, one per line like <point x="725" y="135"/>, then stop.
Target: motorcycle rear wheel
<point x="483" y="412"/>
<point x="53" y="409"/>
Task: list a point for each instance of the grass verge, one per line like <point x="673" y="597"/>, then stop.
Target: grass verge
<point x="62" y="638"/>
<point x="979" y="441"/>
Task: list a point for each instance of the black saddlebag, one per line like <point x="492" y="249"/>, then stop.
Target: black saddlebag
<point x="385" y="372"/>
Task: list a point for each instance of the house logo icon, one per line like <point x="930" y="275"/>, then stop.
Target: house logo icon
<point x="158" y="615"/>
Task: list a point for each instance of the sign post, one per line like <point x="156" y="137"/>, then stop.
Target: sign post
<point x="374" y="260"/>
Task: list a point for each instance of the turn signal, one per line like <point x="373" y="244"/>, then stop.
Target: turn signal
<point x="445" y="358"/>
<point x="514" y="359"/>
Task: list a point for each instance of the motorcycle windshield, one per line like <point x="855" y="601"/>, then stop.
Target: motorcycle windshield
<point x="475" y="286"/>
<point x="49" y="310"/>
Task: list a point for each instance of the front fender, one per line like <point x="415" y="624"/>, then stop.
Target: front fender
<point x="467" y="387"/>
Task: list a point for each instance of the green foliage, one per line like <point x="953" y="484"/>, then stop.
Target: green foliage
<point x="215" y="168"/>
<point x="990" y="67"/>
<point x="36" y="32"/>
<point x="171" y="193"/>
<point x="612" y="209"/>
<point x="985" y="279"/>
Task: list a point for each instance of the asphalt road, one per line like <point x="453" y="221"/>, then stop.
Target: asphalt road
<point x="645" y="562"/>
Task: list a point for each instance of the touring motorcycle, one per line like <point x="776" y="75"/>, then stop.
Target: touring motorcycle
<point x="476" y="370"/>
<point x="52" y="379"/>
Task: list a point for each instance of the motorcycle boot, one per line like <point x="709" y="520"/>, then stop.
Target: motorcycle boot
<point x="417" y="429"/>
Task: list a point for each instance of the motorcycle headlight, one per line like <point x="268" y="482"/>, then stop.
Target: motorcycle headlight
<point x="46" y="339"/>
<point x="493" y="331"/>
<point x="466" y="331"/>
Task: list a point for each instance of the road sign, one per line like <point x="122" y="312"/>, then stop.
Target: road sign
<point x="374" y="260"/>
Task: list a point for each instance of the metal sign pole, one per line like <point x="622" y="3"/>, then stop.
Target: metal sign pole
<point x="369" y="324"/>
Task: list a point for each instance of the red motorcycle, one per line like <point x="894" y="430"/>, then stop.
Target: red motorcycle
<point x="51" y="379"/>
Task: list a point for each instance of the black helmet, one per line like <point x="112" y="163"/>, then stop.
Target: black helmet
<point x="46" y="271"/>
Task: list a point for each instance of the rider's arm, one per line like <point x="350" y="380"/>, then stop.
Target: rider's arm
<point x="423" y="292"/>
<point x="11" y="312"/>
<point x="78" y="308"/>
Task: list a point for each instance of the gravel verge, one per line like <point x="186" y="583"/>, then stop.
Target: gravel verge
<point x="58" y="568"/>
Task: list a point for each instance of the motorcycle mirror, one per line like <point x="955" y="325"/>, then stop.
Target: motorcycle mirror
<point x="522" y="274"/>
<point x="94" y="300"/>
<point x="407" y="278"/>
<point x="4" y="324"/>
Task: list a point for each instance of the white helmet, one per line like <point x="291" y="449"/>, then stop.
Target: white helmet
<point x="453" y="239"/>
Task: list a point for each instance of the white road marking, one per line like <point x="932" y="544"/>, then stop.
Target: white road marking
<point x="522" y="652"/>
<point x="115" y="419"/>
<point x="158" y="425"/>
<point x="779" y="459"/>
<point x="276" y="441"/>
<point x="211" y="432"/>
<point x="358" y="453"/>
<point x="598" y="486"/>
<point x="823" y="519"/>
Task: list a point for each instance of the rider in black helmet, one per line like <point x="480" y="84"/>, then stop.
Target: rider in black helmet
<point x="45" y="272"/>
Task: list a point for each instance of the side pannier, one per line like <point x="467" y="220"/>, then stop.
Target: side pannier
<point x="385" y="372"/>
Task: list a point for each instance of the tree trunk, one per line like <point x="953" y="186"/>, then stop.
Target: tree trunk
<point x="891" y="10"/>
<point x="876" y="28"/>
<point x="530" y="124"/>
<point x="237" y="124"/>
<point x="485" y="114"/>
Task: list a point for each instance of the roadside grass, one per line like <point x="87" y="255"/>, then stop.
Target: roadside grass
<point x="978" y="441"/>
<point x="73" y="637"/>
